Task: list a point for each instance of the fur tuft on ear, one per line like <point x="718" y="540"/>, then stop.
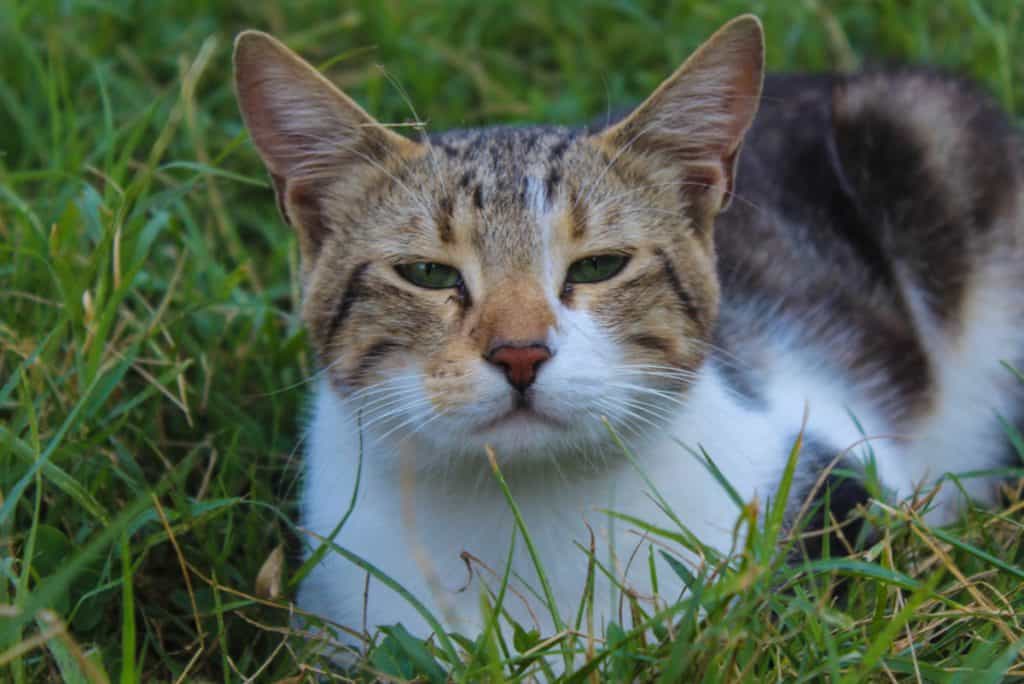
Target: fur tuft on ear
<point x="309" y="133"/>
<point x="693" y="125"/>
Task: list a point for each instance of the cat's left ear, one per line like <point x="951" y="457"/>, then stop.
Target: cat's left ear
<point x="692" y="127"/>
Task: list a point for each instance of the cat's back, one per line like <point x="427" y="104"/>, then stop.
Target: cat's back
<point x="876" y="235"/>
<point x="870" y="182"/>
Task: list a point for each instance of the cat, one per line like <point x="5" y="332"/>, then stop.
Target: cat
<point x="720" y="271"/>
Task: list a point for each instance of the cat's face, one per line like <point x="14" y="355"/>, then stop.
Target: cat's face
<point x="507" y="286"/>
<point x="561" y="291"/>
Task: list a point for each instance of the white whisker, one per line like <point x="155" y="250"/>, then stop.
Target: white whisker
<point x="312" y="378"/>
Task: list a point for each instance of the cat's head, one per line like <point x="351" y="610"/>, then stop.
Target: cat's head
<point x="507" y="286"/>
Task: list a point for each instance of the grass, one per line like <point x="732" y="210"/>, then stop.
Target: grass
<point x="151" y="362"/>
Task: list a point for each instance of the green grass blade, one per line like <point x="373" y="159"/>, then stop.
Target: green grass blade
<point x="324" y="547"/>
<point x="98" y="389"/>
<point x="128" y="675"/>
<point x="45" y="592"/>
<point x="883" y="640"/>
<point x="852" y="567"/>
<point x="549" y="596"/>
<point x="974" y="551"/>
<point x="376" y="573"/>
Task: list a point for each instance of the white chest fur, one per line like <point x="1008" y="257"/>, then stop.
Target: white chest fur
<point x="415" y="525"/>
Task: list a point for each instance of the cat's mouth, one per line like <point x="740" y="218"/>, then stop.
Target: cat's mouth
<point x="522" y="415"/>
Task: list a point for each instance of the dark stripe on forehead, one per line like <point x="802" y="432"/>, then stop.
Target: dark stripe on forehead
<point x="551" y="182"/>
<point x="443" y="218"/>
<point x="578" y="216"/>
<point x="349" y="296"/>
<point x="559" y="148"/>
<point x="529" y="139"/>
<point x="677" y="286"/>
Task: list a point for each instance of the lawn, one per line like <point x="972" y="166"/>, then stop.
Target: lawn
<point x="153" y="369"/>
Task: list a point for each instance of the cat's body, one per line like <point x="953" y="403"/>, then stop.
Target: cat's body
<point x="864" y="285"/>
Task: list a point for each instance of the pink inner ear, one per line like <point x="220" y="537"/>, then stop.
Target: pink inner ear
<point x="702" y="179"/>
<point x="742" y="105"/>
<point x="304" y="199"/>
<point x="708" y="186"/>
<point x="729" y="168"/>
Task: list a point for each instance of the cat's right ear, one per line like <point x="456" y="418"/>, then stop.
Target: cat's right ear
<point x="309" y="134"/>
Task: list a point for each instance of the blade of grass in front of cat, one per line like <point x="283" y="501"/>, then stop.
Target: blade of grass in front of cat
<point x="691" y="539"/>
<point x="377" y="574"/>
<point x="549" y="597"/>
<point x="499" y="602"/>
<point x="322" y="550"/>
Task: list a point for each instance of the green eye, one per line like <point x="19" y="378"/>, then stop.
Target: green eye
<point x="596" y="268"/>
<point x="430" y="275"/>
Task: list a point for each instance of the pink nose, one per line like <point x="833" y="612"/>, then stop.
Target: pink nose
<point x="520" y="362"/>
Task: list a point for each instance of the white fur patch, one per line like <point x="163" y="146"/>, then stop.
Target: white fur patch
<point x="536" y="197"/>
<point x="961" y="434"/>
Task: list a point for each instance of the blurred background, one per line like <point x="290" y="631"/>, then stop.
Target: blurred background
<point x="153" y="371"/>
